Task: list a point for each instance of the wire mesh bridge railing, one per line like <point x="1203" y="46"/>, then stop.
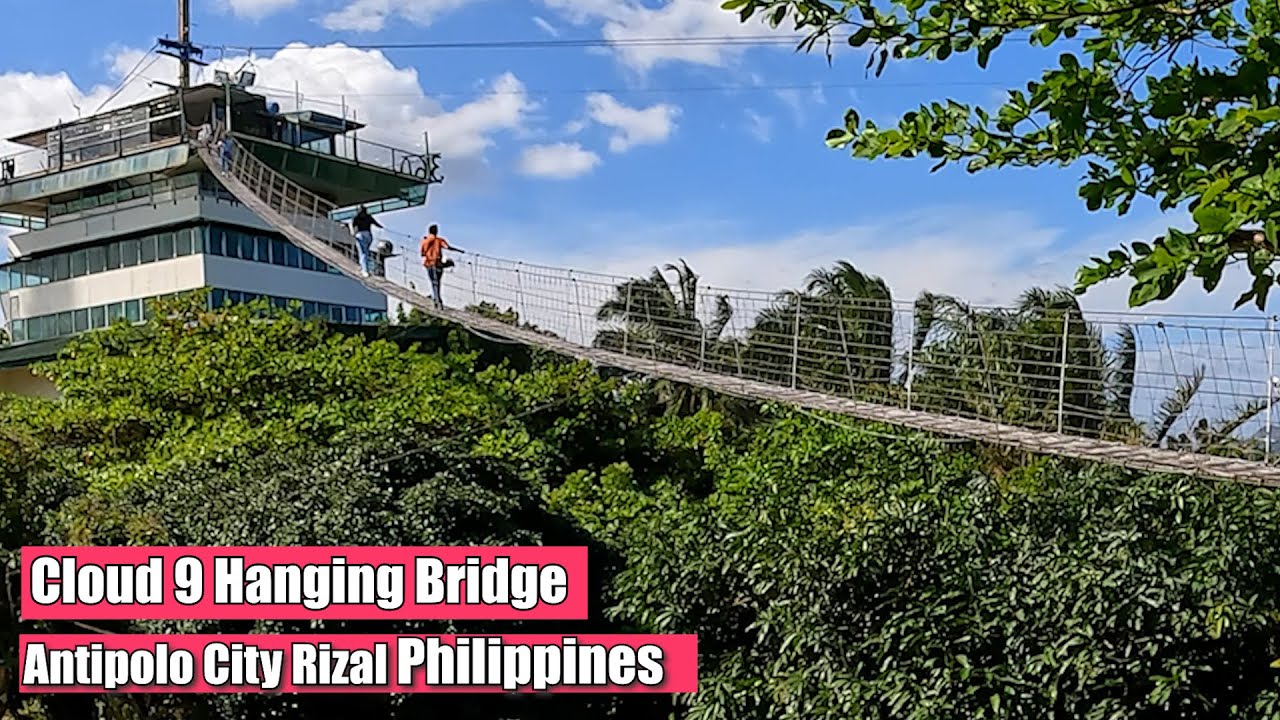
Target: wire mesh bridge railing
<point x="1173" y="393"/>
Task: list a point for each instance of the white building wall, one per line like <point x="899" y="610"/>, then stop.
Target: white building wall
<point x="141" y="281"/>
<point x="248" y="276"/>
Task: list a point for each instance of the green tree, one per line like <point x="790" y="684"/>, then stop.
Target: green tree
<point x="1173" y="101"/>
<point x="1019" y="364"/>
<point x="250" y="427"/>
<point x="856" y="311"/>
<point x="835" y="573"/>
<point x="1009" y="365"/>
<point x="651" y="320"/>
<point x="834" y="336"/>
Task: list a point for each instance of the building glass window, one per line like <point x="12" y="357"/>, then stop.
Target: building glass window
<point x="184" y="242"/>
<point x="352" y="315"/>
<point x="213" y="241"/>
<point x="335" y="314"/>
<point x="264" y="248"/>
<point x="308" y="261"/>
<point x="133" y="311"/>
<point x="19" y="328"/>
<point x="247" y="244"/>
<point x="96" y="259"/>
<point x="277" y="252"/>
<point x="98" y="316"/>
<point x="82" y="320"/>
<point x="147" y="249"/>
<point x="66" y="324"/>
<point x="129" y="253"/>
<point x="61" y="267"/>
<point x="79" y="263"/>
<point x="35" y="273"/>
<point x="291" y="257"/>
<point x="164" y="246"/>
<point x="115" y="311"/>
<point x="113" y="256"/>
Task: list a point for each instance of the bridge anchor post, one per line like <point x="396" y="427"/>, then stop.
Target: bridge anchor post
<point x="1062" y="368"/>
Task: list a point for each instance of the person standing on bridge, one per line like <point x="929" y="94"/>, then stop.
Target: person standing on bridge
<point x="363" y="225"/>
<point x="432" y="249"/>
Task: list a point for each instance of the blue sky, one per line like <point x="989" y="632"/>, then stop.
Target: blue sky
<point x="737" y="181"/>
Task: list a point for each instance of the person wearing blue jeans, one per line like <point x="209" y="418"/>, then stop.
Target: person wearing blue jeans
<point x="363" y="225"/>
<point x="226" y="153"/>
<point x="435" y="275"/>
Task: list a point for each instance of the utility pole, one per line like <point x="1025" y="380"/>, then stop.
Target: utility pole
<point x="182" y="49"/>
<point x="184" y="38"/>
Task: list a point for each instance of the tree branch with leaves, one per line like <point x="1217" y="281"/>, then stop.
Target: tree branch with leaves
<point x="1170" y="100"/>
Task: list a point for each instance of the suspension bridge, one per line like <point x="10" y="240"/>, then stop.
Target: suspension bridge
<point x="1042" y="380"/>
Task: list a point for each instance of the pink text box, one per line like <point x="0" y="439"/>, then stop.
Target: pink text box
<point x="552" y="583"/>
<point x="293" y="663"/>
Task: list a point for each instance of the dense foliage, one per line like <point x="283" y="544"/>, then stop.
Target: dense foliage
<point x="1171" y="100"/>
<point x="830" y="570"/>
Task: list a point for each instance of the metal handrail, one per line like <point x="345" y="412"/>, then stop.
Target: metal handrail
<point x="113" y="135"/>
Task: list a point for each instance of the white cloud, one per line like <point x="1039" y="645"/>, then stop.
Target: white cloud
<point x="389" y="99"/>
<point x="632" y="126"/>
<point x="372" y="15"/>
<point x="800" y="102"/>
<point x="624" y="20"/>
<point x="258" y="9"/>
<point x="759" y="126"/>
<point x="546" y="27"/>
<point x="560" y="161"/>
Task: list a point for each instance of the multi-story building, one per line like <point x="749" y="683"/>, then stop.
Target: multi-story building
<point x="118" y="209"/>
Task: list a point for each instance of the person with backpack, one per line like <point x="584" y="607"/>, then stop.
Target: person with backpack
<point x="432" y="249"/>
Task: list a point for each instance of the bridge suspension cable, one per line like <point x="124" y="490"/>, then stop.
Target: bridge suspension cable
<point x="1168" y="393"/>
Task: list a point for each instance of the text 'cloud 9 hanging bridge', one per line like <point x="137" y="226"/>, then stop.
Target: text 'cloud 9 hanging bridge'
<point x="1178" y="394"/>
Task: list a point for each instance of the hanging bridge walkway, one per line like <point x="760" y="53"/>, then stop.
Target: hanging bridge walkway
<point x="1056" y="384"/>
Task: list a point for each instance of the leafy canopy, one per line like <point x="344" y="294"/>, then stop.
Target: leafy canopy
<point x="1170" y="99"/>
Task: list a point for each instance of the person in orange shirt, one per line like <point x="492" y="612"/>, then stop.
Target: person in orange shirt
<point x="432" y="249"/>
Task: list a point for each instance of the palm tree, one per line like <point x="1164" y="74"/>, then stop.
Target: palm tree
<point x="652" y="320"/>
<point x="862" y="309"/>
<point x="1038" y="364"/>
<point x="835" y="336"/>
<point x="1010" y="365"/>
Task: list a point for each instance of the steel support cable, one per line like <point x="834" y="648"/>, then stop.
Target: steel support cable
<point x="677" y="349"/>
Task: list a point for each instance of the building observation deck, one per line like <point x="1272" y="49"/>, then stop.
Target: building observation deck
<point x="321" y="152"/>
<point x="120" y="208"/>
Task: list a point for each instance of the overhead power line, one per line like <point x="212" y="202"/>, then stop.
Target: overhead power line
<point x="765" y="40"/>
<point x="804" y="87"/>
<point x="130" y="76"/>
<point x="714" y="40"/>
